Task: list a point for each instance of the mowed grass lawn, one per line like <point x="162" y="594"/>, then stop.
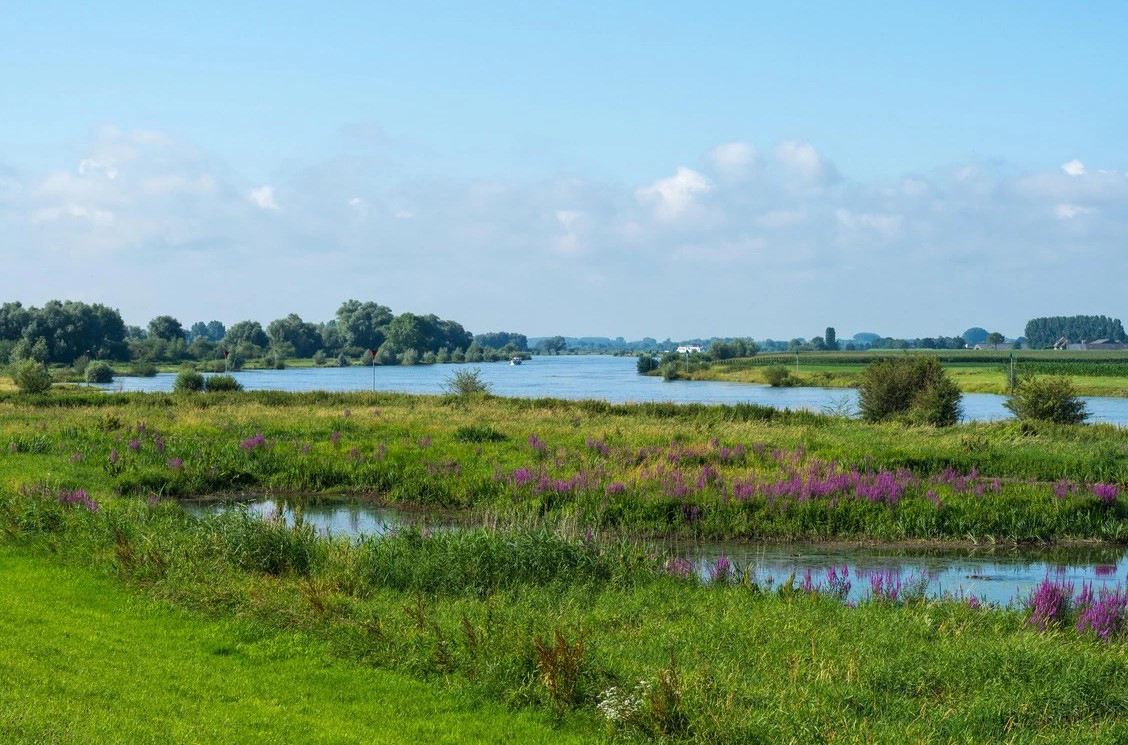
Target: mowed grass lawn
<point x="82" y="660"/>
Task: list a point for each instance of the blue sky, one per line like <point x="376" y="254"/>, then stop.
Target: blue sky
<point x="661" y="169"/>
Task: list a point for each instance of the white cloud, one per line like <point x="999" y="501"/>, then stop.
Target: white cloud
<point x="1074" y="168"/>
<point x="733" y="160"/>
<point x="671" y="197"/>
<point x="263" y="197"/>
<point x="1070" y="211"/>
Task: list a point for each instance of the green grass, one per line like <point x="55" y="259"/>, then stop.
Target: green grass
<point x="83" y="661"/>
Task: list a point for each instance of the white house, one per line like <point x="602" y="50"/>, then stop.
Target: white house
<point x="689" y="349"/>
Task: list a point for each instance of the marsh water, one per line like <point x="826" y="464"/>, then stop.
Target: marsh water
<point x="585" y="376"/>
<point x="991" y="574"/>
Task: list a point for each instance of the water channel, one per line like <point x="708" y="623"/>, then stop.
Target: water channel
<point x="585" y="376"/>
<point x="992" y="574"/>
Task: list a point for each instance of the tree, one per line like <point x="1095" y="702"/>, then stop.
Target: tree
<point x="818" y="343"/>
<point x="831" y="338"/>
<point x="246" y="331"/>
<point x="31" y="376"/>
<point x="305" y="337"/>
<point x="501" y="339"/>
<point x="1052" y="399"/>
<point x="406" y="332"/>
<point x="166" y="327"/>
<point x="1044" y="332"/>
<point x="912" y="388"/>
<point x="553" y="345"/>
<point x="362" y="324"/>
<point x="974" y="335"/>
<point x="995" y="339"/>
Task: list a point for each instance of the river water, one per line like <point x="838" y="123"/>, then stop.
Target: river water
<point x="585" y="376"/>
<point x="997" y="575"/>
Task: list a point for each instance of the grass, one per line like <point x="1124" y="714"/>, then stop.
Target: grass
<point x="726" y="661"/>
<point x="986" y="371"/>
<point x="83" y="660"/>
<point x="644" y="469"/>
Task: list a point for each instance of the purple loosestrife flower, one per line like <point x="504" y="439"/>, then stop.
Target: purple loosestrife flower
<point x="348" y="412"/>
<point x="615" y="487"/>
<point x="77" y="498"/>
<point x="134" y="445"/>
<point x="335" y="437"/>
<point x="538" y="445"/>
<point x="838" y="582"/>
<point x="679" y="567"/>
<point x="424" y="442"/>
<point x="1104" y="615"/>
<point x="721" y="570"/>
<point x="176" y="464"/>
<point x="159" y="443"/>
<point x="253" y="443"/>
<point x="114" y="457"/>
<point x="885" y="585"/>
<point x="76" y="458"/>
<point x="1049" y="604"/>
<point x="1106" y="493"/>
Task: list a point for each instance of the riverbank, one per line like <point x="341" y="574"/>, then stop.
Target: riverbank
<point x="1093" y="373"/>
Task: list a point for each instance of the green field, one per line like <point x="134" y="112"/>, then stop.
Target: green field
<point x="1097" y="373"/>
<point x="560" y="612"/>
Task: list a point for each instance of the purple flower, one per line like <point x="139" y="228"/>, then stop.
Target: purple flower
<point x="424" y="442"/>
<point x="77" y="457"/>
<point x="1106" y="493"/>
<point x="1050" y="603"/>
<point x="114" y="457"/>
<point x="679" y="567"/>
<point x="335" y="437"/>
<point x="77" y="498"/>
<point x="134" y="445"/>
<point x="537" y="445"/>
<point x="721" y="569"/>
<point x="615" y="487"/>
<point x="348" y="412"/>
<point x="176" y="464"/>
<point x="159" y="443"/>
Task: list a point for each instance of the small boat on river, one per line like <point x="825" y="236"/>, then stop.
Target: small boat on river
<point x="515" y="361"/>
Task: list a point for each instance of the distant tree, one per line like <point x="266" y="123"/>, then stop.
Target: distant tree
<point x="974" y="335"/>
<point x="30" y="376"/>
<point x="1044" y="332"/>
<point x="305" y="337"/>
<point x="406" y="331"/>
<point x="246" y="331"/>
<point x="166" y="327"/>
<point x="831" y="338"/>
<point x="995" y="339"/>
<point x="501" y="339"/>
<point x="362" y="324"/>
<point x="553" y="345"/>
<point x="818" y="343"/>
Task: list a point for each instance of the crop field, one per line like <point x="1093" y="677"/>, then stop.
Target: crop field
<point x="556" y="609"/>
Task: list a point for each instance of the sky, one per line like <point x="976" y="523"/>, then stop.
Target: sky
<point x="618" y="169"/>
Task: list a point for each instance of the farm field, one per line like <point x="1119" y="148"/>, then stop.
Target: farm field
<point x="985" y="371"/>
<point x="552" y="604"/>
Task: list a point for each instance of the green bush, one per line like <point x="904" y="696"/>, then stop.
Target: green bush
<point x="221" y="383"/>
<point x="31" y="376"/>
<point x="188" y="381"/>
<point x="319" y="358"/>
<point x="646" y="363"/>
<point x="99" y="372"/>
<point x="1052" y="399"/>
<point x="913" y="388"/>
<point x="778" y="376"/>
<point x="143" y="369"/>
<point x="342" y="361"/>
<point x="466" y="383"/>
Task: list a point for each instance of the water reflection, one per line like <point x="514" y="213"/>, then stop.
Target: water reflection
<point x="994" y="574"/>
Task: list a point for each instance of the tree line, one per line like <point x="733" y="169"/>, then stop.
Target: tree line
<point x="1044" y="332"/>
<point x="69" y="332"/>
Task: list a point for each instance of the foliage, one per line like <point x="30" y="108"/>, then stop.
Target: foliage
<point x="166" y="328"/>
<point x="1044" y="332"/>
<point x="99" y="372"/>
<point x="778" y="375"/>
<point x="250" y="332"/>
<point x="466" y="383"/>
<point x="974" y="335"/>
<point x="188" y="381"/>
<point x="553" y="345"/>
<point x="68" y="329"/>
<point x="1051" y="399"/>
<point x="143" y="369"/>
<point x="646" y="363"/>
<point x="503" y="339"/>
<point x="831" y="338"/>
<point x="723" y="350"/>
<point x="913" y="387"/>
<point x="221" y="383"/>
<point x="30" y="376"/>
<point x="304" y="338"/>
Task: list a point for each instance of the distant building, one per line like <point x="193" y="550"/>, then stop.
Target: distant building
<point x="1096" y="345"/>
<point x="689" y="349"/>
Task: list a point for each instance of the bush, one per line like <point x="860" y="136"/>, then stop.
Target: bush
<point x="143" y="369"/>
<point x="342" y="361"/>
<point x="319" y="358"/>
<point x="31" y="376"/>
<point x="188" y="381"/>
<point x="913" y="388"/>
<point x="99" y="372"/>
<point x="1052" y="399"/>
<point x="466" y="383"/>
<point x="778" y="376"/>
<point x="646" y="363"/>
<point x="221" y="384"/>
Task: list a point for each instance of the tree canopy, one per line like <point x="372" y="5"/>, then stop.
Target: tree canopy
<point x="1044" y="332"/>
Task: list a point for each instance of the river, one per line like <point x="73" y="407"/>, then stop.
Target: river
<point x="585" y="376"/>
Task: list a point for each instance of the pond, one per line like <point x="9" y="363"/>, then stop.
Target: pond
<point x="992" y="574"/>
<point x="585" y="376"/>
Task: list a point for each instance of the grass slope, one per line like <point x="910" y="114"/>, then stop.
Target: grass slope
<point x="83" y="661"/>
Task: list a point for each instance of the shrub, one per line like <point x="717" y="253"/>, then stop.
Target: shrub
<point x="913" y="388"/>
<point x="1052" y="399"/>
<point x="31" y="376"/>
<point x="188" y="381"/>
<point x="319" y="358"/>
<point x="143" y="369"/>
<point x="466" y="383"/>
<point x="646" y="363"/>
<point x="670" y="371"/>
<point x="410" y="357"/>
<point x="221" y="383"/>
<point x="342" y="361"/>
<point x="478" y="433"/>
<point x="99" y="372"/>
<point x="778" y="376"/>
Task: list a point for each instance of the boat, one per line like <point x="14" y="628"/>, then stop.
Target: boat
<point x="515" y="361"/>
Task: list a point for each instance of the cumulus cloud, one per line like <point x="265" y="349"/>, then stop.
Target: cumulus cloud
<point x="1074" y="168"/>
<point x="759" y="242"/>
<point x="671" y="197"/>
<point x="263" y="197"/>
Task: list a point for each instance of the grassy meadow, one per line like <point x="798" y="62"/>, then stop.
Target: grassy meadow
<point x="556" y="609"/>
<point x="1094" y="373"/>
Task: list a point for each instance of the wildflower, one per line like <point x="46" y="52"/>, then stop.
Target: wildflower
<point x="134" y="445"/>
<point x="77" y="498"/>
<point x="1050" y="603"/>
<point x="537" y="445"/>
<point x="253" y="443"/>
<point x="77" y="457"/>
<point x="159" y="443"/>
<point x="424" y="442"/>
<point x="114" y="457"/>
<point x="335" y="437"/>
<point x="1106" y="493"/>
<point x="721" y="569"/>
<point x="176" y="464"/>
<point x="348" y="412"/>
<point x="679" y="567"/>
